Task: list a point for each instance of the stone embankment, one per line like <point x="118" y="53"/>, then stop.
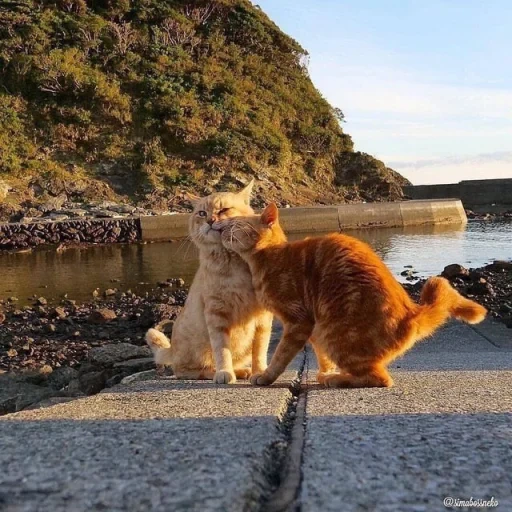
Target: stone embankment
<point x="93" y="231"/>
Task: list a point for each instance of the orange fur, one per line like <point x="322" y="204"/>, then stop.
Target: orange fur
<point x="337" y="293"/>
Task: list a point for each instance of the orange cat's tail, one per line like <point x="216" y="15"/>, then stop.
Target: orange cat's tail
<point x="439" y="302"/>
<point x="160" y="345"/>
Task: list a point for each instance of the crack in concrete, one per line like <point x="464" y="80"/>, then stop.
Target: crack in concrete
<point x="284" y="465"/>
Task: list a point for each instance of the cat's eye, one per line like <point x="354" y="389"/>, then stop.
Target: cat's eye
<point x="202" y="213"/>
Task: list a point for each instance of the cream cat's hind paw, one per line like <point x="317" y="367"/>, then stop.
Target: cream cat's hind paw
<point x="243" y="373"/>
<point x="224" y="377"/>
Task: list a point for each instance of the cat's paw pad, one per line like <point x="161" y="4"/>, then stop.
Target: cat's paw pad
<point x="243" y="373"/>
<point x="260" y="379"/>
<point x="224" y="377"/>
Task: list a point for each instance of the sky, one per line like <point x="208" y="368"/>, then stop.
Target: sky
<point x="425" y="85"/>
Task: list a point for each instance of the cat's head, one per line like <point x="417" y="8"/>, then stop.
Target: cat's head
<point x="243" y="234"/>
<point x="217" y="207"/>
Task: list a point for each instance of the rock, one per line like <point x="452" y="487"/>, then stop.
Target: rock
<point x="59" y="313"/>
<point x="109" y="292"/>
<point x="480" y="288"/>
<point x="165" y="326"/>
<point x="58" y="216"/>
<point x="61" y="377"/>
<point x="50" y="328"/>
<point x="108" y="355"/>
<point x="505" y="308"/>
<point x="16" y="394"/>
<point x="53" y="204"/>
<point x="114" y="380"/>
<point x="42" y="301"/>
<point x="75" y="212"/>
<point x="73" y="388"/>
<point x="12" y="352"/>
<point x="49" y="402"/>
<point x="141" y="376"/>
<point x="102" y="316"/>
<point x="152" y="315"/>
<point x="499" y="265"/>
<point x="4" y="190"/>
<point x="104" y="214"/>
<point x="122" y="208"/>
<point x="135" y="365"/>
<point x="455" y="270"/>
<point x="406" y="273"/>
<point x="38" y="377"/>
<point x="92" y="383"/>
<point x="2" y="317"/>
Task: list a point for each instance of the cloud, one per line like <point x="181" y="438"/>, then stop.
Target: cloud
<point x="452" y="169"/>
<point x="498" y="157"/>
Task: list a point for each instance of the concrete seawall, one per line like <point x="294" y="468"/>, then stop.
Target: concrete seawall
<point x="330" y="218"/>
<point x="313" y="219"/>
<point x="473" y="193"/>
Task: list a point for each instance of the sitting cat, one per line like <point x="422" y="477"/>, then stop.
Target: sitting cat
<point x="222" y="327"/>
<point x="336" y="292"/>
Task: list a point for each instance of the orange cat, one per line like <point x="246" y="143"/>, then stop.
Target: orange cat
<point x="337" y="293"/>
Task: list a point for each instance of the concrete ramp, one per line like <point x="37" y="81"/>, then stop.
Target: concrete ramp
<point x="443" y="432"/>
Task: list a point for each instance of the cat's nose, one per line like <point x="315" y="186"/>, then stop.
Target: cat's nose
<point x="212" y="220"/>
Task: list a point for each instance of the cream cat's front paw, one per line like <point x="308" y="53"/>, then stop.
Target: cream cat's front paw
<point x="260" y="379"/>
<point x="224" y="377"/>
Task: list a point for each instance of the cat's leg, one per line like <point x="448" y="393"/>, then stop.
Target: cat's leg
<point x="368" y="374"/>
<point x="261" y="342"/>
<point x="326" y="365"/>
<point x="218" y="323"/>
<point x="294" y="338"/>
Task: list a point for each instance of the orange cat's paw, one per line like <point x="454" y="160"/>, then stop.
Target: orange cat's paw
<point x="243" y="373"/>
<point x="224" y="377"/>
<point x="321" y="376"/>
<point x="330" y="380"/>
<point x="260" y="379"/>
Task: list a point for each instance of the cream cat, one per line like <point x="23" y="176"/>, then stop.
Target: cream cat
<point x="222" y="328"/>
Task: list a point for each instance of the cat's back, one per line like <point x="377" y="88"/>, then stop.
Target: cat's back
<point x="337" y="255"/>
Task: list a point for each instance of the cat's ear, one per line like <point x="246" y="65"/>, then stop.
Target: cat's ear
<point x="245" y="193"/>
<point x="270" y="215"/>
<point x="191" y="197"/>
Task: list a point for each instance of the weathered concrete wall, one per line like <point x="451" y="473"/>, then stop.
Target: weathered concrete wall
<point x="164" y="227"/>
<point x="472" y="193"/>
<point x="323" y="219"/>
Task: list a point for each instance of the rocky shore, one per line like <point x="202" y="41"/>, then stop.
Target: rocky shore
<point x="491" y="286"/>
<point x="491" y="216"/>
<point x="64" y="350"/>
<point x="51" y="352"/>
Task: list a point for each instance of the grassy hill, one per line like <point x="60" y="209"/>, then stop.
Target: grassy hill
<point x="140" y="100"/>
